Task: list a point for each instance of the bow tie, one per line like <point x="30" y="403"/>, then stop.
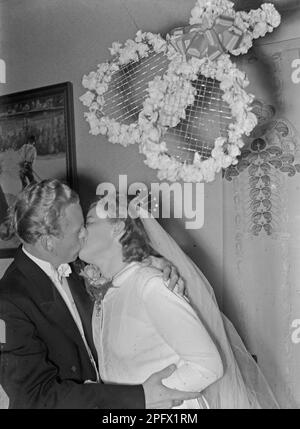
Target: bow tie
<point x="64" y="270"/>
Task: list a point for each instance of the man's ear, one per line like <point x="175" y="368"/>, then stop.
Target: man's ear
<point x="47" y="243"/>
<point x="118" y="229"/>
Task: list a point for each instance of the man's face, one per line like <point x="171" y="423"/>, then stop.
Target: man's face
<point x="67" y="246"/>
<point x="99" y="237"/>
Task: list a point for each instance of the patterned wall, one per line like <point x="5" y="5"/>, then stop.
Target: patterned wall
<point x="262" y="194"/>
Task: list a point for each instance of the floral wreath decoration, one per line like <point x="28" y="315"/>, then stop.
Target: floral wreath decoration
<point x="203" y="47"/>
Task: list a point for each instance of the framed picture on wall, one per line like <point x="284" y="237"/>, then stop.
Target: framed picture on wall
<point x="37" y="141"/>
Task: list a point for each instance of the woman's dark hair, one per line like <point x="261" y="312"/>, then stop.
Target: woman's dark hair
<point x="135" y="242"/>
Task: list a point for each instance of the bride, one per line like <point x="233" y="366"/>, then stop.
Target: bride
<point x="140" y="326"/>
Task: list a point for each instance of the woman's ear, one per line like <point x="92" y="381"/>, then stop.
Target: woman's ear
<point x="118" y="229"/>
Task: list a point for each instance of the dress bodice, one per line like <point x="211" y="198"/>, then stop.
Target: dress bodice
<point x="142" y="327"/>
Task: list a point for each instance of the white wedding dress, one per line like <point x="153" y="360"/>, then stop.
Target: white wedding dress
<point x="142" y="327"/>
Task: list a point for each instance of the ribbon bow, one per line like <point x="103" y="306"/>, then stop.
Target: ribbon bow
<point x="201" y="40"/>
<point x="64" y="270"/>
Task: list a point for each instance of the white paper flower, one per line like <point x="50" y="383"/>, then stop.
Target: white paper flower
<point x="93" y="275"/>
<point x="115" y="48"/>
<point x="87" y="98"/>
<point x="90" y="81"/>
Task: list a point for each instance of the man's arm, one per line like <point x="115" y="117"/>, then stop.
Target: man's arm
<point x="32" y="381"/>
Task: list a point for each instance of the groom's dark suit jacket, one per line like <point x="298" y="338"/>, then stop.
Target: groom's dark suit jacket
<point x="44" y="362"/>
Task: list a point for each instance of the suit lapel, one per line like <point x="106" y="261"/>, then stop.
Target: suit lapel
<point x="44" y="293"/>
<point x="84" y="306"/>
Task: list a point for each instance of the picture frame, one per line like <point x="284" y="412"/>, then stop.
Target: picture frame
<point x="37" y="141"/>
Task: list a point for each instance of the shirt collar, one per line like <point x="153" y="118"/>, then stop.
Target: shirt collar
<point x="48" y="268"/>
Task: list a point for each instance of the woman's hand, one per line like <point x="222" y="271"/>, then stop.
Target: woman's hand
<point x="170" y="274"/>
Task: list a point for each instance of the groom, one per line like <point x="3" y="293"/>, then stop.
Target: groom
<point x="49" y="359"/>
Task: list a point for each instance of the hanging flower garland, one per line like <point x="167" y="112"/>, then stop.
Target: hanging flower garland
<point x="97" y="83"/>
<point x="226" y="150"/>
<point x="170" y="94"/>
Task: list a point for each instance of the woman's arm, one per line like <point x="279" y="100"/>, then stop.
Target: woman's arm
<point x="200" y="363"/>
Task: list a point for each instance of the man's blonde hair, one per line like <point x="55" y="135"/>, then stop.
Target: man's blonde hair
<point x="38" y="209"/>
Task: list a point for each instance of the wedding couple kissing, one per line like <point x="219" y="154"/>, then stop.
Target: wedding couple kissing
<point x="149" y="342"/>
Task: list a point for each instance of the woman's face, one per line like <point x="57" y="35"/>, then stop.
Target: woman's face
<point x="99" y="237"/>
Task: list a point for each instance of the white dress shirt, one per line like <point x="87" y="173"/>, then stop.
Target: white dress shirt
<point x="63" y="288"/>
<point x="142" y="327"/>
